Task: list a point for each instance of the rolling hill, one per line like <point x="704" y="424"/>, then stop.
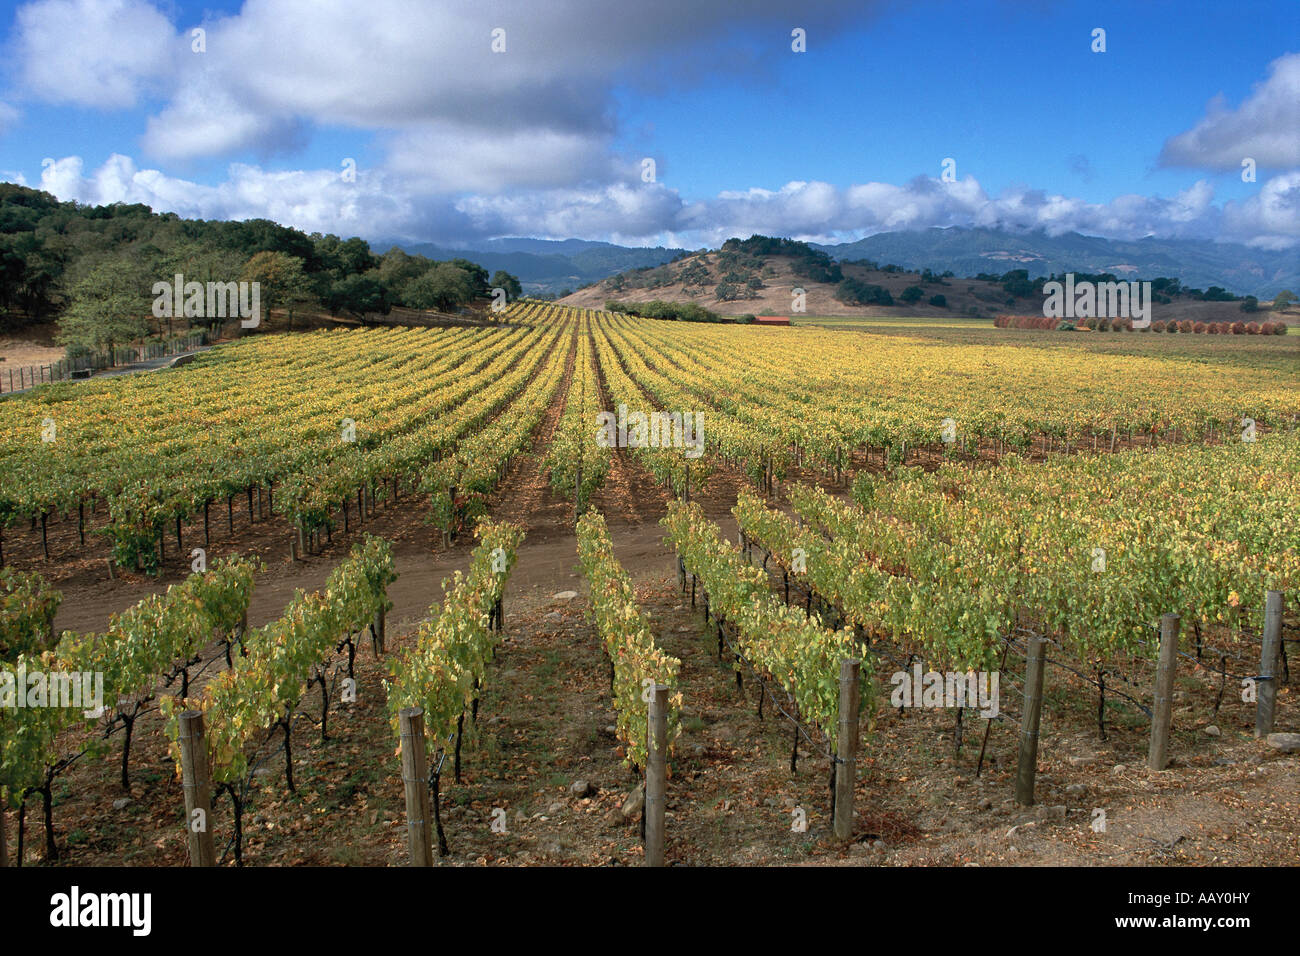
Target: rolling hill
<point x="551" y="266"/>
<point x="759" y="275"/>
<point x="1197" y="263"/>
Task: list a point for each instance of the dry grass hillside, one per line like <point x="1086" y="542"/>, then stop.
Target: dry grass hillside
<point x="765" y="285"/>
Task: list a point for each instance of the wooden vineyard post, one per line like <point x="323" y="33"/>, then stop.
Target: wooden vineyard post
<point x="1267" y="697"/>
<point x="1030" y="720"/>
<point x="577" y="494"/>
<point x="415" y="777"/>
<point x="198" y="789"/>
<point x="1162" y="704"/>
<point x="846" y="750"/>
<point x="451" y="520"/>
<point x="4" y="834"/>
<point x="380" y="629"/>
<point x="656" y="775"/>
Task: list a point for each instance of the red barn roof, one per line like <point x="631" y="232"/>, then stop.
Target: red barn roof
<point x="772" y="319"/>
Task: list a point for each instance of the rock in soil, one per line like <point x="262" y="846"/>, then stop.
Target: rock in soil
<point x="1287" y="743"/>
<point x="634" y="803"/>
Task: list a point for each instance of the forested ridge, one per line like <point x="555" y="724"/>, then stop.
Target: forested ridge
<point x="93" y="269"/>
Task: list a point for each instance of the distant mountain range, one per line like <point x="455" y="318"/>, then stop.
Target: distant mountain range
<point x="1197" y="263"/>
<point x="545" y="265"/>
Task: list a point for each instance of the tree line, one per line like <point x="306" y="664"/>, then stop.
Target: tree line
<point x="94" y="267"/>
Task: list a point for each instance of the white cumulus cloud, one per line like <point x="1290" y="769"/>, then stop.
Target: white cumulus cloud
<point x="100" y="53"/>
<point x="383" y="203"/>
<point x="1265" y="128"/>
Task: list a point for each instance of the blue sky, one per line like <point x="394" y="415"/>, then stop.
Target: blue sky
<point x="454" y="142"/>
<point x="891" y="98"/>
